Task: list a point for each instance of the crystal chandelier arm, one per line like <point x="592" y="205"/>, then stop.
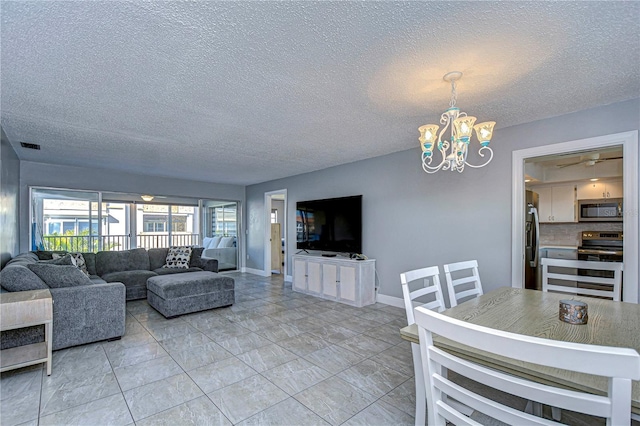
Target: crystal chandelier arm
<point x="482" y="155"/>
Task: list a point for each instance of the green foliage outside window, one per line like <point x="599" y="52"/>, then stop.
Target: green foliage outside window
<point x="82" y="242"/>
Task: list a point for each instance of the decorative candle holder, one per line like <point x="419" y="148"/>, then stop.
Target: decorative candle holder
<point x="574" y="312"/>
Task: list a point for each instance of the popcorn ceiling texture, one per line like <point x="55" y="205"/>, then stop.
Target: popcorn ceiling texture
<point x="245" y="92"/>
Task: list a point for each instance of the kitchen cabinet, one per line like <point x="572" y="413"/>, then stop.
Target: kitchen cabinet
<point x="343" y="280"/>
<point x="598" y="190"/>
<point x="556" y="203"/>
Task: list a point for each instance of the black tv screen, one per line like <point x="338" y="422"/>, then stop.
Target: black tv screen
<point x="333" y="224"/>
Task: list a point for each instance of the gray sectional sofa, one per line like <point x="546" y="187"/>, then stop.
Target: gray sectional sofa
<point x="93" y="310"/>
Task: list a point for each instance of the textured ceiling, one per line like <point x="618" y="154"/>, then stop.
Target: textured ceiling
<point x="245" y="92"/>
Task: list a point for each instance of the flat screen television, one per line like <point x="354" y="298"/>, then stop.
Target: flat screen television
<point x="333" y="224"/>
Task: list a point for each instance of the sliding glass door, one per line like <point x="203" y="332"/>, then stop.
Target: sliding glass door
<point x="89" y="221"/>
<point x="65" y="220"/>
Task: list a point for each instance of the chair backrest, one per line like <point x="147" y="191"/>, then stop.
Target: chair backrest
<point x="422" y="276"/>
<point x="619" y="365"/>
<point x="470" y="277"/>
<point x="589" y="286"/>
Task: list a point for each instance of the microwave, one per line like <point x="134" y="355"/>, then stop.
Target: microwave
<point x="605" y="210"/>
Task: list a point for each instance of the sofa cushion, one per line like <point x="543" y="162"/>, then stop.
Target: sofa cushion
<point x="196" y="257"/>
<point x="213" y="242"/>
<point x="226" y="242"/>
<point x="59" y="276"/>
<point x="78" y="260"/>
<point x="178" y="257"/>
<point x="157" y="257"/>
<point x="96" y="279"/>
<point x="119" y="261"/>
<point x="192" y="284"/>
<point x="60" y="259"/>
<point x="90" y="262"/>
<point x="23" y="259"/>
<point x="167" y="271"/>
<point x="130" y="278"/>
<point x="19" y="277"/>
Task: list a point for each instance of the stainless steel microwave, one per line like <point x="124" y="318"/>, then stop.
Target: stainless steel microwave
<point x="605" y="210"/>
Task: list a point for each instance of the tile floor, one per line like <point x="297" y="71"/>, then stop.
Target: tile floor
<point x="275" y="357"/>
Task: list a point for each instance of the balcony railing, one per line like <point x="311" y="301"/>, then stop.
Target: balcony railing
<point x="162" y="240"/>
<point x="85" y="243"/>
<point x="90" y="243"/>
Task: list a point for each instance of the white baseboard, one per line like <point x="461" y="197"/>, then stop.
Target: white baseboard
<point x="259" y="272"/>
<point x="390" y="300"/>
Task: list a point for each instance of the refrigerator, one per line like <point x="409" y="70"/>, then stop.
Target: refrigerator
<point x="531" y="242"/>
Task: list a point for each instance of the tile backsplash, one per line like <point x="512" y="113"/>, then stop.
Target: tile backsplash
<point x="568" y="234"/>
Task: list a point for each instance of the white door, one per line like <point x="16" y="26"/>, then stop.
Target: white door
<point x="348" y="283"/>
<point x="314" y="281"/>
<point x="330" y="280"/>
<point x="545" y="211"/>
<point x="300" y="274"/>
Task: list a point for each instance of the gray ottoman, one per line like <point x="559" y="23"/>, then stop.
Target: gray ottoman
<point x="179" y="294"/>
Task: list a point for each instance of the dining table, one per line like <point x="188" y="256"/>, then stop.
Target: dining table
<point x="536" y="313"/>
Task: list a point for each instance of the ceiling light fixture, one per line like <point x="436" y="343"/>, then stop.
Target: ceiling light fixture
<point x="594" y="179"/>
<point x="454" y="151"/>
<point x="147" y="197"/>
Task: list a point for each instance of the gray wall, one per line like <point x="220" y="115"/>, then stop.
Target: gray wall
<point x="56" y="176"/>
<point x="9" y="201"/>
<point x="412" y="220"/>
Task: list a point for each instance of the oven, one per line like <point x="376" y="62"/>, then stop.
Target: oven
<point x="599" y="247"/>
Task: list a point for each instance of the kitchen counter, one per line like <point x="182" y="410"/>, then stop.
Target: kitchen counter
<point x="558" y="246"/>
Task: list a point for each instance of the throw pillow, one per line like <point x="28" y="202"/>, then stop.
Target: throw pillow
<point x="60" y="259"/>
<point x="178" y="257"/>
<point x="59" y="276"/>
<point x="78" y="259"/>
<point x="226" y="242"/>
<point x="206" y="242"/>
<point x="215" y="242"/>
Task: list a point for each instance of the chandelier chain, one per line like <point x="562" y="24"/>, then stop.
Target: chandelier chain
<point x="454" y="94"/>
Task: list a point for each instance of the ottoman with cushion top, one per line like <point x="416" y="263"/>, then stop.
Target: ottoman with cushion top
<point x="179" y="294"/>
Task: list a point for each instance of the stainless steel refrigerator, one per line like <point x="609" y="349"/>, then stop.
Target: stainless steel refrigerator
<point x="531" y="242"/>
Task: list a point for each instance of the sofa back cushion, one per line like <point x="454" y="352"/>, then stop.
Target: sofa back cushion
<point x="90" y="261"/>
<point x="18" y="277"/>
<point x="226" y="242"/>
<point x="118" y="261"/>
<point x="59" y="276"/>
<point x="157" y="257"/>
<point x="196" y="257"/>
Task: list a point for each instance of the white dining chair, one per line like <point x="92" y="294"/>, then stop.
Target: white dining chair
<point x="430" y="291"/>
<point x="619" y="365"/>
<point x="566" y="272"/>
<point x="467" y="282"/>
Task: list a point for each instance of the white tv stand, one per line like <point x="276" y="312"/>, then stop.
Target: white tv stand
<point x="337" y="278"/>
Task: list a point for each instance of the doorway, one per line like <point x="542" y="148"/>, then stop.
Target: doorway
<point x="629" y="143"/>
<point x="275" y="247"/>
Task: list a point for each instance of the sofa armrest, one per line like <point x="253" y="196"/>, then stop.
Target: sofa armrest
<point x="210" y="265"/>
<point x="84" y="314"/>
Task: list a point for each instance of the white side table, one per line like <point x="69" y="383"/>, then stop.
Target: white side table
<point x="24" y="309"/>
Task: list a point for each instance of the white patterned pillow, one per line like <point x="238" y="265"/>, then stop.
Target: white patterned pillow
<point x="78" y="261"/>
<point x="178" y="257"/>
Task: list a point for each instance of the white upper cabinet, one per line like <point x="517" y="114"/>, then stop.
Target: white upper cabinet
<point x="556" y="203"/>
<point x="597" y="190"/>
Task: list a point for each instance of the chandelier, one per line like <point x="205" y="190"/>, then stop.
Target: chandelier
<point x="454" y="151"/>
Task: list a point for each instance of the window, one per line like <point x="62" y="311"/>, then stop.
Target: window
<point x="274" y="216"/>
<point x="86" y="221"/>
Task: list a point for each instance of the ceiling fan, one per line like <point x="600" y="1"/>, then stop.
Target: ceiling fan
<point x="588" y="160"/>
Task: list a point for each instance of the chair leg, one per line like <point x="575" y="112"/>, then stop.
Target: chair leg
<point x="556" y="413"/>
<point x="421" y="392"/>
